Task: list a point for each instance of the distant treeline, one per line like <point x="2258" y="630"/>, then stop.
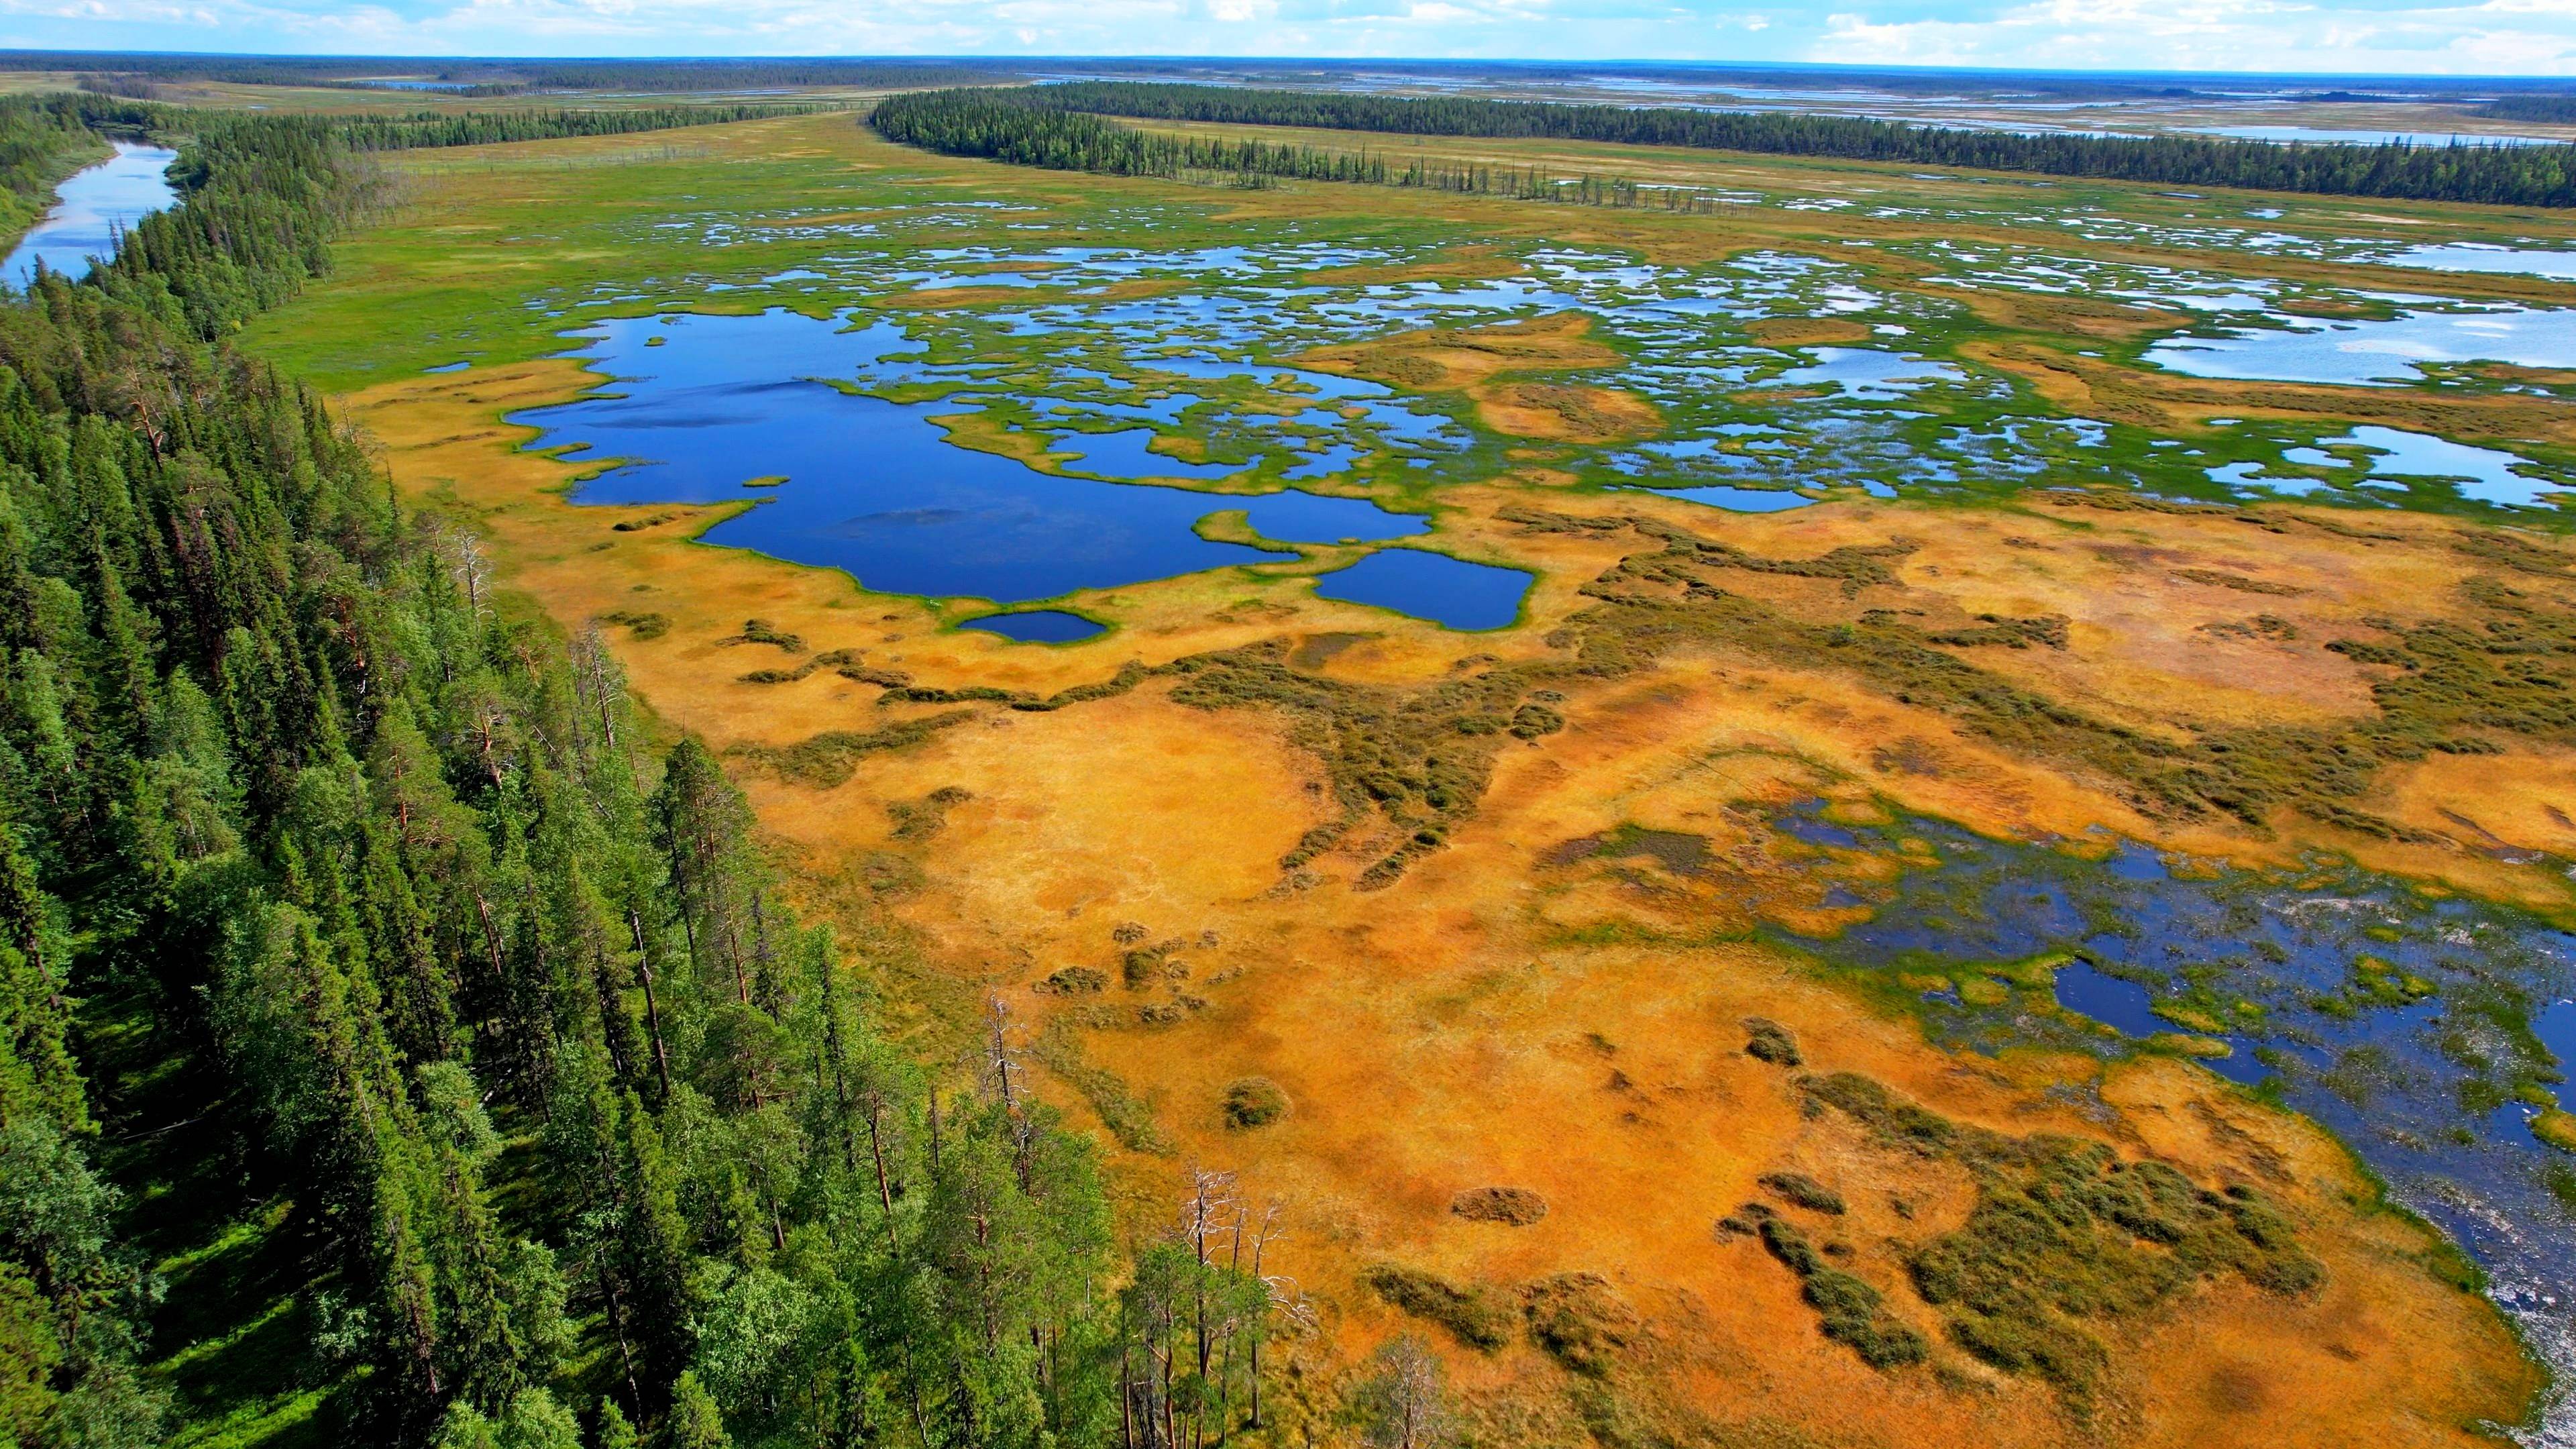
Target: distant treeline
<point x="959" y="123"/>
<point x="38" y="132"/>
<point x="503" y="76"/>
<point x="483" y="128"/>
<point x="726" y="75"/>
<point x="2559" y="109"/>
<point x="965" y="123"/>
<point x="1023" y="122"/>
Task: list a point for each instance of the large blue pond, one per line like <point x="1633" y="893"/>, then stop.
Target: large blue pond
<point x="875" y="489"/>
<point x="92" y="209"/>
<point x="2395" y="1019"/>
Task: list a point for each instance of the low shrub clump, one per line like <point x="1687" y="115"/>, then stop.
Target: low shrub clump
<point x="1854" y="1314"/>
<point x="1516" y="1206"/>
<point x="1580" y="1322"/>
<point x="1805" y="1192"/>
<point x="761" y="631"/>
<point x="2065" y="1234"/>
<point x="1472" y="1314"/>
<point x="1770" y="1042"/>
<point x="832" y="757"/>
<point x="1254" y="1102"/>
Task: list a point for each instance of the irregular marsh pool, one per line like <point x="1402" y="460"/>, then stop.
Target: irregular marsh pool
<point x="94" y="205"/>
<point x="874" y="488"/>
<point x="1740" y="500"/>
<point x="2411" y="1026"/>
<point x="2375" y="353"/>
<point x="2482" y="473"/>
<point x="1448" y="591"/>
<point x="2486" y="257"/>
<point x="1867" y="372"/>
<point x="2390" y="457"/>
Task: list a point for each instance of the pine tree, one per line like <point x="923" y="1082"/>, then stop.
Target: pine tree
<point x="695" y="1422"/>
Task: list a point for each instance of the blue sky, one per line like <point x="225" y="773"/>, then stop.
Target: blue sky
<point x="2453" y="37"/>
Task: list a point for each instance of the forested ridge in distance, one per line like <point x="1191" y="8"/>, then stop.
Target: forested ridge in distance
<point x="1057" y="126"/>
<point x="344" y="908"/>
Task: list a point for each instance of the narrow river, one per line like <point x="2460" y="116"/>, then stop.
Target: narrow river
<point x="92" y="209"/>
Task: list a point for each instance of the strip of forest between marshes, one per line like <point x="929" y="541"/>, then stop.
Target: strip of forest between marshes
<point x="1060" y="127"/>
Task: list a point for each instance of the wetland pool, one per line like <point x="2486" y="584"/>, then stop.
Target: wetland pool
<point x="1450" y="592"/>
<point x="2486" y="257"/>
<point x="2375" y="353"/>
<point x="875" y="488"/>
<point x="1037" y="626"/>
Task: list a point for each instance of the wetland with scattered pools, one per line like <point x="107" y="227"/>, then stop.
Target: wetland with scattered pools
<point x="980" y="400"/>
<point x="2429" y="1031"/>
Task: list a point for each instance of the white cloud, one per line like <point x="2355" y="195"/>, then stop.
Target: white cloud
<point x="2494" y="37"/>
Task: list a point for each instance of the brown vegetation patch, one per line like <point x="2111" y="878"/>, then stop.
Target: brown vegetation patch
<point x="1566" y="412"/>
<point x="1446" y="359"/>
<point x="1254" y="1102"/>
<point x="1513" y="1206"/>
<point x="1580" y="1322"/>
<point x="1807" y="331"/>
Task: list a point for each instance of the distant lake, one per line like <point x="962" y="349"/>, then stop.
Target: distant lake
<point x="93" y="208"/>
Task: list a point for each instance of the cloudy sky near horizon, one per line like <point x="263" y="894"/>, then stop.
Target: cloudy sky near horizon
<point x="2432" y="37"/>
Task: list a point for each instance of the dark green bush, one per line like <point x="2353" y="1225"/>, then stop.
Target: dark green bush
<point x="1472" y="1314"/>
<point x="1579" y="1321"/>
<point x="1771" y="1042"/>
<point x="1254" y="1102"/>
<point x="1804" y="1191"/>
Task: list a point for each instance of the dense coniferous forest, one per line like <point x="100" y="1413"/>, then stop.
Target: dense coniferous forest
<point x="965" y="123"/>
<point x="483" y="128"/>
<point x="2558" y="109"/>
<point x="1027" y="124"/>
<point x="40" y="138"/>
<point x="343" y="904"/>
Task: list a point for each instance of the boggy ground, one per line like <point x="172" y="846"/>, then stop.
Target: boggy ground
<point x="1509" y="1012"/>
<point x="1483" y="910"/>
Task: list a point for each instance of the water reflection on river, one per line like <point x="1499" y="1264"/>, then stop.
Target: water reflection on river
<point x="94" y="208"/>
